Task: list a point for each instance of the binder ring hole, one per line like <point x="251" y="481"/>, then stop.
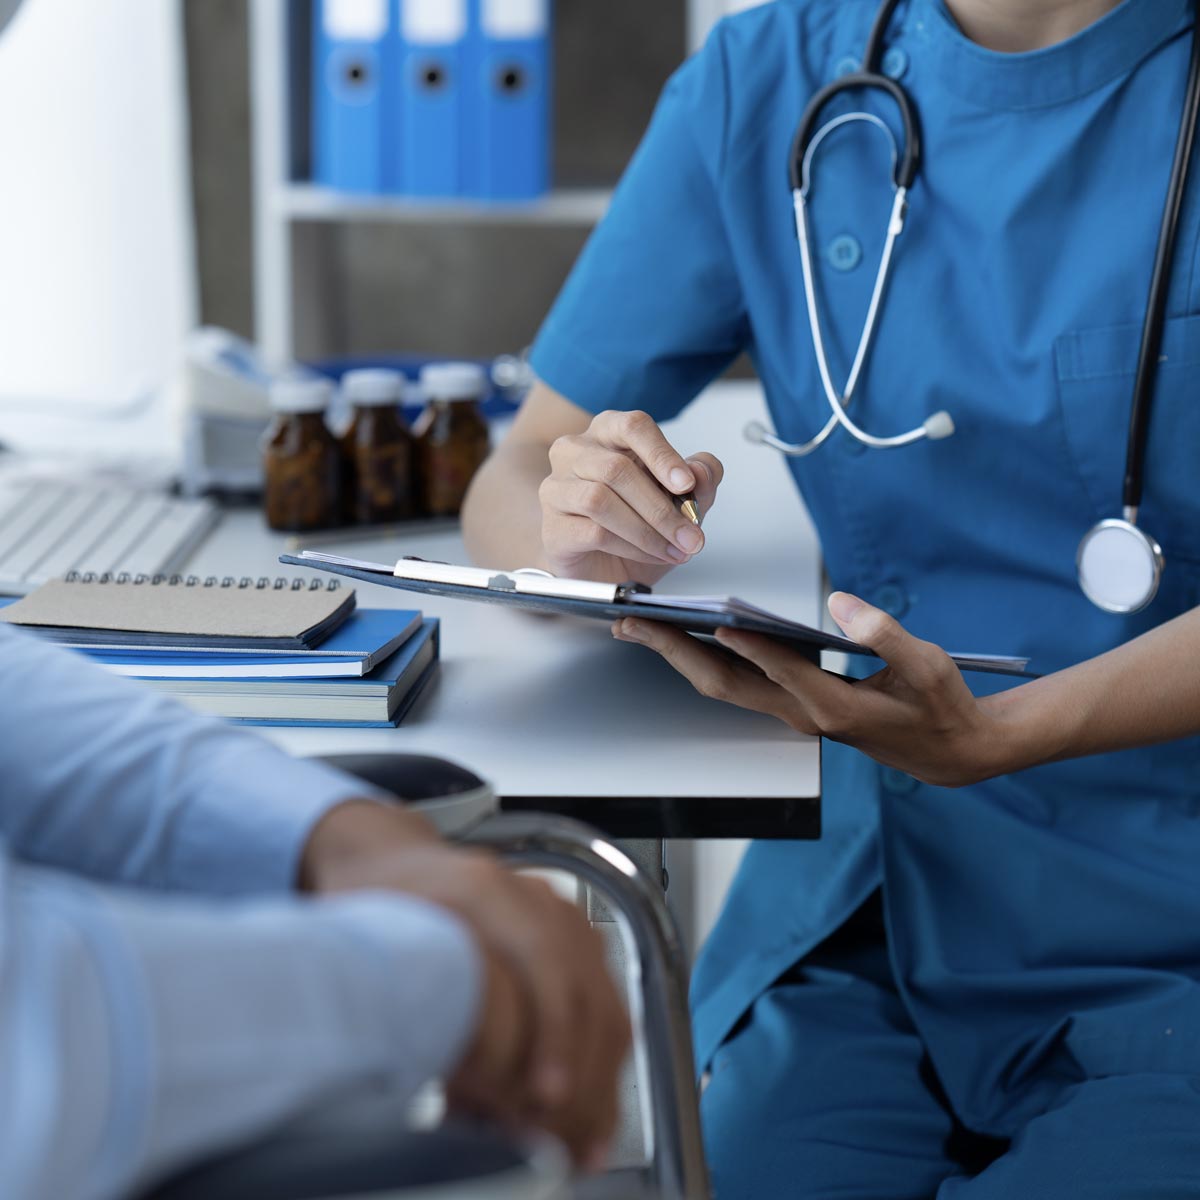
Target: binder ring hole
<point x="433" y="77"/>
<point x="511" y="79"/>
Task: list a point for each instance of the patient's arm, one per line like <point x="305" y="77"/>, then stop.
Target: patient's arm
<point x="109" y="779"/>
<point x="140" y="1033"/>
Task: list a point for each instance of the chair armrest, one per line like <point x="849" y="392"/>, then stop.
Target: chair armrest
<point x="452" y="797"/>
<point x="657" y="989"/>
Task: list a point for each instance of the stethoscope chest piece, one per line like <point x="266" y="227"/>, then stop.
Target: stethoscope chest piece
<point x="1119" y="566"/>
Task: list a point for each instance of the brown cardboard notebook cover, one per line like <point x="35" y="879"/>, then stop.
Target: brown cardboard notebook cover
<point x="183" y="613"/>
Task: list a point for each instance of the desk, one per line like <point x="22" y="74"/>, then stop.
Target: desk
<point x="559" y="717"/>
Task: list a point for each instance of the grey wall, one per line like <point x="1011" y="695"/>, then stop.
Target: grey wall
<point x="458" y="290"/>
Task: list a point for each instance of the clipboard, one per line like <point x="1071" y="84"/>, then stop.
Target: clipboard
<point x="538" y="591"/>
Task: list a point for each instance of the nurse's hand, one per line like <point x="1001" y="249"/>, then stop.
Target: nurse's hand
<point x="917" y="714"/>
<point x="607" y="507"/>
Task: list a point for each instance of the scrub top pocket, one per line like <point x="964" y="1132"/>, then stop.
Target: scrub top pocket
<point x="1096" y="369"/>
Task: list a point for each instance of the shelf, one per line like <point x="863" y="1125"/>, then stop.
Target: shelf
<point x="280" y="205"/>
<point x="566" y="206"/>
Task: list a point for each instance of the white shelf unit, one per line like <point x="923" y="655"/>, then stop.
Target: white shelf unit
<point x="566" y="206"/>
<point x="281" y="202"/>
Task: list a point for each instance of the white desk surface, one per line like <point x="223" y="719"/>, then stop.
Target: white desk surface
<point x="553" y="707"/>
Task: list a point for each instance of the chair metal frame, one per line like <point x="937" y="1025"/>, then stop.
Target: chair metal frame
<point x="657" y="982"/>
<point x="656" y="975"/>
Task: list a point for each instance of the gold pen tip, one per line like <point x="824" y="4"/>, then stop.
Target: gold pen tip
<point x="691" y="510"/>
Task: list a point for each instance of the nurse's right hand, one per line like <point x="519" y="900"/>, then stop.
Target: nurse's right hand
<point x="608" y="507"/>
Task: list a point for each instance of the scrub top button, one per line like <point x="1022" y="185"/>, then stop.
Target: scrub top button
<point x="895" y="62"/>
<point x="892" y="600"/>
<point x="844" y="253"/>
<point x="846" y="65"/>
<point x="897" y="782"/>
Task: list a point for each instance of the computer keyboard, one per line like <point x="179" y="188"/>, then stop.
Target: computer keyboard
<point x="48" y="528"/>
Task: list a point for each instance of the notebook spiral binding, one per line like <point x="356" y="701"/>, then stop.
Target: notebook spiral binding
<point x="278" y="584"/>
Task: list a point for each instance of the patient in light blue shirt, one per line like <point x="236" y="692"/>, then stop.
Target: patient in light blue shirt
<point x="164" y="994"/>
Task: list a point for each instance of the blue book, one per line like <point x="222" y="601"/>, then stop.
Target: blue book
<point x="379" y="700"/>
<point x="507" y="154"/>
<point x="354" y="108"/>
<point x="364" y="640"/>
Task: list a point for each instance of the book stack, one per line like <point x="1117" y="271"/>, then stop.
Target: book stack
<point x="259" y="652"/>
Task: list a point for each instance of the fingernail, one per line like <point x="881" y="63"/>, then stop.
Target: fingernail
<point x="700" y="470"/>
<point x="689" y="538"/>
<point x="677" y="555"/>
<point x="844" y="607"/>
<point x="633" y="631"/>
<point x="682" y="480"/>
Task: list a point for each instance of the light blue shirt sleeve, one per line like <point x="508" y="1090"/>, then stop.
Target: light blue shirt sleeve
<point x="140" y="1033"/>
<point x="108" y="779"/>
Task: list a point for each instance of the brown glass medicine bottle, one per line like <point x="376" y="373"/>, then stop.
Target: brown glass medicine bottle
<point x="302" y="467"/>
<point x="377" y="449"/>
<point x="452" y="434"/>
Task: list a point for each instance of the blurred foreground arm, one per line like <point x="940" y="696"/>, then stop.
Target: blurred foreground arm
<point x="106" y="778"/>
<point x="140" y="1033"/>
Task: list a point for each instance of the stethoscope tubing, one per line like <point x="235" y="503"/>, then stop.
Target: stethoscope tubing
<point x="838" y="403"/>
<point x="1160" y="285"/>
<point x="906" y="163"/>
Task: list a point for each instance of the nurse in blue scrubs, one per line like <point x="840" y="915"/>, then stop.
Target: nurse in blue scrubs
<point x="984" y="980"/>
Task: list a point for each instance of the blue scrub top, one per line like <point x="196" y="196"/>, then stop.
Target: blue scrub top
<point x="1044" y="927"/>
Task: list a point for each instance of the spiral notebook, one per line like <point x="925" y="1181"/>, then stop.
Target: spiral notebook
<point x="184" y="613"/>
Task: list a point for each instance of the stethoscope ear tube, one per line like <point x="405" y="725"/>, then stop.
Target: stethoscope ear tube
<point x="908" y="163"/>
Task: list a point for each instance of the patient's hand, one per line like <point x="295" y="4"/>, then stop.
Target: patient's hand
<point x="552" y="1033"/>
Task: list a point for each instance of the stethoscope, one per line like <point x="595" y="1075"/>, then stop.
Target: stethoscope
<point x="1119" y="564"/>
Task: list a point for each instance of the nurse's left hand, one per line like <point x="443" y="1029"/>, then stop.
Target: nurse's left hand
<point x="917" y="714"/>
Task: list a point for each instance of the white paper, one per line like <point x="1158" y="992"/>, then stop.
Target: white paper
<point x="510" y="20"/>
<point x="355" y="20"/>
<point x="433" y="22"/>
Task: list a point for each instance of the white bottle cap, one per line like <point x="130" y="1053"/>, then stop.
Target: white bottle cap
<point x="454" y="381"/>
<point x="373" y="387"/>
<point x="300" y="394"/>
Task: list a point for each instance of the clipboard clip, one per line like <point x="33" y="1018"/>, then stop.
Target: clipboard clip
<point x="529" y="580"/>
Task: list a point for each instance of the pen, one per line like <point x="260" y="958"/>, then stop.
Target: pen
<point x="689" y="507"/>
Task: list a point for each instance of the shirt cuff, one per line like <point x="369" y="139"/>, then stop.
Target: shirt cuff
<point x="246" y="834"/>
